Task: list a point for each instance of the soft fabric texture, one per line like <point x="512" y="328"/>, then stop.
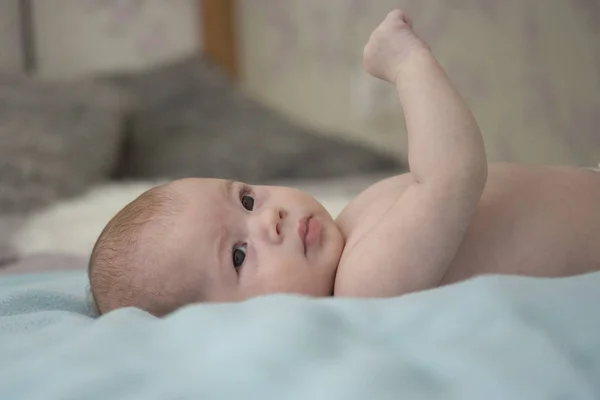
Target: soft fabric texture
<point x="72" y="226"/>
<point x="56" y="139"/>
<point x="191" y="121"/>
<point x="488" y="338"/>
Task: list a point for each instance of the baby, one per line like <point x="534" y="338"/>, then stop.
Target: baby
<point x="210" y="240"/>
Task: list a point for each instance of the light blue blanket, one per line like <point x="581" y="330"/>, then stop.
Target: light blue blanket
<point x="488" y="338"/>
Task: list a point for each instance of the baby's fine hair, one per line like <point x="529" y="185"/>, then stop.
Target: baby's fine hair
<point x="120" y="266"/>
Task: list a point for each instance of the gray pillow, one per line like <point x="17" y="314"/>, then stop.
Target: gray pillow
<point x="191" y="121"/>
<point x="56" y="139"/>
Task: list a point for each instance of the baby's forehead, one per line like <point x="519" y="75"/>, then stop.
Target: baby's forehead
<point x="196" y="210"/>
<point x="193" y="190"/>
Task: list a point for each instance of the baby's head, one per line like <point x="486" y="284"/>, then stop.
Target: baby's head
<point x="212" y="240"/>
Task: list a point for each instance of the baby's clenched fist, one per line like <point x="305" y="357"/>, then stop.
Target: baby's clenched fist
<point x="390" y="45"/>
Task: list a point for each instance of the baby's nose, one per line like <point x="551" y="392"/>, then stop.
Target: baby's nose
<point x="271" y="221"/>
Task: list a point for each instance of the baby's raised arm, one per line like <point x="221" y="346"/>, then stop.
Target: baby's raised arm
<point x="423" y="230"/>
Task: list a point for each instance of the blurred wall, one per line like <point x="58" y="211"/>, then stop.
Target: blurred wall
<point x="529" y="69"/>
<point x="11" y="58"/>
<point x="81" y="37"/>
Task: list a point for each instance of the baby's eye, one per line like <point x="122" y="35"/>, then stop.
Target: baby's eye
<point x="247" y="201"/>
<point x="239" y="256"/>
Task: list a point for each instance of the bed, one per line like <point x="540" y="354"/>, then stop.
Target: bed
<point x="487" y="338"/>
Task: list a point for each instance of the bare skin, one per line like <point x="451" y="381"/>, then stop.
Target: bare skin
<point x="531" y="220"/>
<point x="448" y="220"/>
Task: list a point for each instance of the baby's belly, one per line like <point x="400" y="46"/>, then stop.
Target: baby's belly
<point x="534" y="221"/>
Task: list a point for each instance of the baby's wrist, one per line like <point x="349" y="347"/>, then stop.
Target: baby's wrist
<point x="416" y="55"/>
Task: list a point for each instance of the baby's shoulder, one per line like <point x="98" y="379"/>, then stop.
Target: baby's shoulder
<point x="370" y="205"/>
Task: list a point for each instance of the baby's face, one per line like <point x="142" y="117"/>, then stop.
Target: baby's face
<point x="255" y="240"/>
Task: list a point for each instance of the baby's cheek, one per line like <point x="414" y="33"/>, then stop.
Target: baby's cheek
<point x="251" y="256"/>
<point x="260" y="264"/>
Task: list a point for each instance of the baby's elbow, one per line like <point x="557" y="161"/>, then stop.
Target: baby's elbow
<point x="464" y="180"/>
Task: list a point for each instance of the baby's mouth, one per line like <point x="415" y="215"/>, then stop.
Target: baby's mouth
<point x="309" y="231"/>
<point x="302" y="231"/>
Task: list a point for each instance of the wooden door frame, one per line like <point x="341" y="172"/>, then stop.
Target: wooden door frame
<point x="219" y="34"/>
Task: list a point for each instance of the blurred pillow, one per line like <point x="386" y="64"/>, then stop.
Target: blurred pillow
<point x="192" y="122"/>
<point x="9" y="226"/>
<point x="56" y="139"/>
